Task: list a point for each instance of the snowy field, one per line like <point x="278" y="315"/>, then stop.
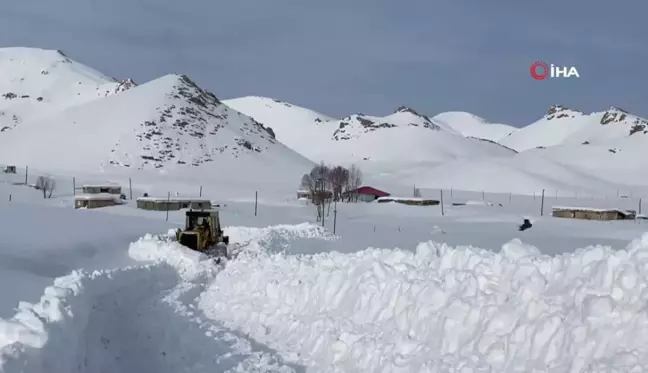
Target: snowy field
<point x="396" y="289"/>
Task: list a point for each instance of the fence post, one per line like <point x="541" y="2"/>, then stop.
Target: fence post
<point x="450" y="192"/>
<point x="167" y="206"/>
<point x="483" y="196"/>
<point x="542" y="204"/>
<point x="639" y="205"/>
<point x="130" y="187"/>
<point x="442" y="212"/>
<point x="26" y="172"/>
<point x="256" y="200"/>
<point x="10" y="200"/>
<point x="334" y="216"/>
<point x="200" y="191"/>
<point x="74" y="186"/>
<point x="510" y="196"/>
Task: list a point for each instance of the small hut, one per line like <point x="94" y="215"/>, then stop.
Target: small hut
<point x="92" y="201"/>
<point x="102" y="189"/>
<point x="172" y="204"/>
<point x="301" y="193"/>
<point x="588" y="213"/>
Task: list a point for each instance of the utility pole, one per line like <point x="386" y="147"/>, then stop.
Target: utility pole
<point x="130" y="187"/>
<point x="334" y="216"/>
<point x="442" y="212"/>
<point x="74" y="186"/>
<point x="256" y="199"/>
<point x="542" y="204"/>
<point x="167" y="206"/>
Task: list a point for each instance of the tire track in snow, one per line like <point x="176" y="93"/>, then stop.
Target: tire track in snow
<point x="135" y="319"/>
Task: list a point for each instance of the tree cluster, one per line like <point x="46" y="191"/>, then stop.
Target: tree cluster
<point x="326" y="183"/>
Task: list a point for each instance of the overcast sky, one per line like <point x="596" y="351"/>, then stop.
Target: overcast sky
<point x="341" y="57"/>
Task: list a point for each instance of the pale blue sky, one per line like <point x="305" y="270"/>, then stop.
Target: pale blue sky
<point x="341" y="57"/>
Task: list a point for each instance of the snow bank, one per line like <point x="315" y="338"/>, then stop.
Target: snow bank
<point x="276" y="237"/>
<point x="444" y="309"/>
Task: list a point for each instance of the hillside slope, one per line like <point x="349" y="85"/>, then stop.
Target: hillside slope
<point x="296" y="127"/>
<point x="169" y="124"/>
<point x="402" y="138"/>
<point x="562" y="125"/>
<point x="470" y="125"/>
<point x="37" y="83"/>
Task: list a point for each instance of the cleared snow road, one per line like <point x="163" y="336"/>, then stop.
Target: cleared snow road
<point x="135" y="319"/>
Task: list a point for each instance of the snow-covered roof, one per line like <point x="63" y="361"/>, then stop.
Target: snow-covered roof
<point x="101" y="186"/>
<point x="98" y="196"/>
<point x="593" y="209"/>
<point x="173" y="199"/>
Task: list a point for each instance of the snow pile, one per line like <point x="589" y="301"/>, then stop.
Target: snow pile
<point x="443" y="308"/>
<point x="277" y="237"/>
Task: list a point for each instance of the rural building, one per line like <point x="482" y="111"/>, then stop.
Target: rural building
<point x="93" y="201"/>
<point x="414" y="201"/>
<point x="105" y="189"/>
<point x="303" y="194"/>
<point x="592" y="213"/>
<point x="172" y="204"/>
<point x="366" y="194"/>
<point x="9" y="170"/>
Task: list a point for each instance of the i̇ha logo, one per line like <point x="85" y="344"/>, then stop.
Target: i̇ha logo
<point x="541" y="70"/>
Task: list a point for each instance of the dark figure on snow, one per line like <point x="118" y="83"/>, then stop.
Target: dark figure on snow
<point x="525" y="225"/>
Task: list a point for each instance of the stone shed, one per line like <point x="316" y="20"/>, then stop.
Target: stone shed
<point x="588" y="213"/>
<point x="102" y="189"/>
<point x="172" y="204"/>
<point x="92" y="201"/>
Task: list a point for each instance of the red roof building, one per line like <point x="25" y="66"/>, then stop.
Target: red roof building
<point x="367" y="193"/>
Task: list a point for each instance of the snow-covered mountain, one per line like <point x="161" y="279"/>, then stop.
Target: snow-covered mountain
<point x="471" y="125"/>
<point x="404" y="137"/>
<point x="296" y="127"/>
<point x="37" y="83"/>
<point x="57" y="114"/>
<point x="564" y="126"/>
<point x="169" y="124"/>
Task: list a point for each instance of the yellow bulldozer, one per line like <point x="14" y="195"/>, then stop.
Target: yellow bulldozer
<point x="203" y="233"/>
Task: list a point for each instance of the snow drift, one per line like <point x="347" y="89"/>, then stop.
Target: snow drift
<point x="443" y="308"/>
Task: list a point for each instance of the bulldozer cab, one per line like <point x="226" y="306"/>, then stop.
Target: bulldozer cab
<point x="203" y="220"/>
<point x="202" y="230"/>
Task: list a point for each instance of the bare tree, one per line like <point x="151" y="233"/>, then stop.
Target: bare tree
<point x="338" y="178"/>
<point x="319" y="187"/>
<point x="46" y="185"/>
<point x="354" y="181"/>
